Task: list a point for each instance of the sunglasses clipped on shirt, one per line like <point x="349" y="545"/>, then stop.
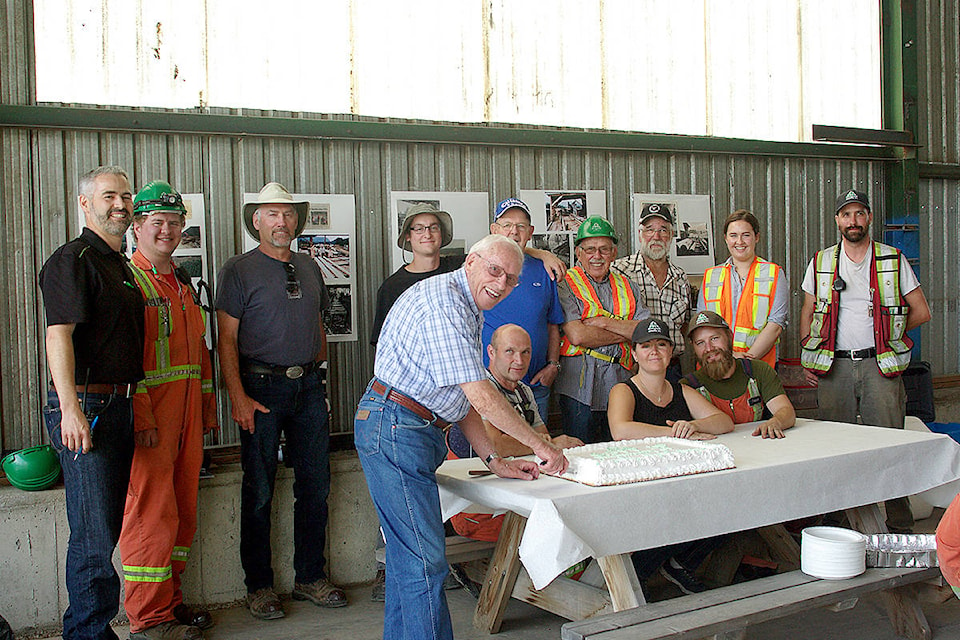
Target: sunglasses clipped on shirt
<point x="293" y="284"/>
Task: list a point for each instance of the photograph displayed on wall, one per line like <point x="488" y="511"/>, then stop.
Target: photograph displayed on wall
<point x="692" y="248"/>
<point x="470" y="212"/>
<point x="328" y="239"/>
<point x="556" y="217"/>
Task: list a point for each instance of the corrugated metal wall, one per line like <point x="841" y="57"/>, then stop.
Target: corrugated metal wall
<point x="791" y="196"/>
<point x="938" y="41"/>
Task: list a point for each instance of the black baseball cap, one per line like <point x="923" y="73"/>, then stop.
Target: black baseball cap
<point x="650" y="329"/>
<point x="852" y="196"/>
<point x="654" y="210"/>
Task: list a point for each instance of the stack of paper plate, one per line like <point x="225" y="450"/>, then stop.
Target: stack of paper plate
<point x="832" y="553"/>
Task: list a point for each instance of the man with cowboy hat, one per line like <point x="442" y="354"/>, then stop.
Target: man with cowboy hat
<point x="272" y="350"/>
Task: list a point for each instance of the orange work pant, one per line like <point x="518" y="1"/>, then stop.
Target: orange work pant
<point x="160" y="516"/>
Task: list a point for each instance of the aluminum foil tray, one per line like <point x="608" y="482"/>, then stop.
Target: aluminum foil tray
<point x="904" y="550"/>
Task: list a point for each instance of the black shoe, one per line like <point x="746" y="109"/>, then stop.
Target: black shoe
<point x="678" y="575"/>
<point x="458" y="574"/>
<point x="379" y="591"/>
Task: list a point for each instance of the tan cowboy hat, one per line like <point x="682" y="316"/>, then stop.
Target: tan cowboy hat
<point x="274" y="193"/>
<point x="446" y="224"/>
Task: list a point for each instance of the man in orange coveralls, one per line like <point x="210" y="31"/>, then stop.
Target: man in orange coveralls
<point x="173" y="408"/>
<point x="948" y="545"/>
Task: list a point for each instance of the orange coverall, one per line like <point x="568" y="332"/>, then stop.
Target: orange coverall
<point x="176" y="398"/>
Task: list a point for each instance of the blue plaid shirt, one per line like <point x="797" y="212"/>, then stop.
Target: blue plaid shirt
<point x="430" y="344"/>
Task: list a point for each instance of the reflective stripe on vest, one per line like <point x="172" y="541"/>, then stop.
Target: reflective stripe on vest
<point x="624" y="308"/>
<point x="889" y="317"/>
<point x="160" y="371"/>
<point x="753" y="308"/>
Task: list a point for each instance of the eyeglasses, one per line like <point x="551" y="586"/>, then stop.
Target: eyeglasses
<point x="510" y="226"/>
<point x="662" y="231"/>
<point x="603" y="251"/>
<point x="497" y="271"/>
<point x="420" y="229"/>
<point x="293" y="284"/>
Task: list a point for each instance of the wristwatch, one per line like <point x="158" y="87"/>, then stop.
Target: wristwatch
<point x="555" y="363"/>
<point x="490" y="458"/>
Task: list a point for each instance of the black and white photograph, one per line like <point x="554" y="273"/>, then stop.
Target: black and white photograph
<point x="319" y="217"/>
<point x="338" y="318"/>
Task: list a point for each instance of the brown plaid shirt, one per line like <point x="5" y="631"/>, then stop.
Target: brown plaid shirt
<point x="674" y="303"/>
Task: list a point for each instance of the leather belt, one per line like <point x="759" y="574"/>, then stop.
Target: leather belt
<point x="858" y="354"/>
<point x="411" y="404"/>
<point x="122" y="390"/>
<point x="294" y="372"/>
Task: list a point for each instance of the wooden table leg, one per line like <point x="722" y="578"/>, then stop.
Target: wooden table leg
<point x="903" y="609"/>
<point x="501" y="576"/>
<point x="622" y="581"/>
<point x="783" y="547"/>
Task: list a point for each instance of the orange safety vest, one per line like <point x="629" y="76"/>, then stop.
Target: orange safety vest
<point x="754" y="306"/>
<point x="889" y="317"/>
<point x="624" y="308"/>
<point x="747" y="407"/>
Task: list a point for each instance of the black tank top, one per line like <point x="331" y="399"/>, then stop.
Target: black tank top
<point x="646" y="411"/>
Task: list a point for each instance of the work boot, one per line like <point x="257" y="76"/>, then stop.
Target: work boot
<point x="320" y="593"/>
<point x="199" y="618"/>
<point x="264" y="604"/>
<point x="378" y="593"/>
<point x="170" y="630"/>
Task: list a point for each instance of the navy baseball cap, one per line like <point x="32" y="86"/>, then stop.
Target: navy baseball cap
<point x="852" y="196"/>
<point x="510" y="203"/>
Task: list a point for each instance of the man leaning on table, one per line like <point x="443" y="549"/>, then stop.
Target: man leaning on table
<point x="428" y="373"/>
<point x="861" y="298"/>
<point x="745" y="389"/>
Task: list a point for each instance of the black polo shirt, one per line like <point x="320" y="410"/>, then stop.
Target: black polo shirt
<point x="85" y="282"/>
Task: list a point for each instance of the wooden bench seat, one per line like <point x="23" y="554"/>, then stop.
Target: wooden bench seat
<point x="726" y="612"/>
<point x="459" y="550"/>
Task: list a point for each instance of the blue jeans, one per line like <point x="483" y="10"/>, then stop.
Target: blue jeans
<point x="400" y="453"/>
<point x="298" y="409"/>
<point x="542" y="395"/>
<point x="580" y="421"/>
<point x="96" y="488"/>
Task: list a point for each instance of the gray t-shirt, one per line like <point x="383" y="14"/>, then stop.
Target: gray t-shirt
<point x="276" y="326"/>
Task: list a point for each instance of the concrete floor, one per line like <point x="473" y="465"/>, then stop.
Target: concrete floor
<point x="363" y="620"/>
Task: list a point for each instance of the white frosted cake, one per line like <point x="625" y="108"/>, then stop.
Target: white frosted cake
<point x="627" y="461"/>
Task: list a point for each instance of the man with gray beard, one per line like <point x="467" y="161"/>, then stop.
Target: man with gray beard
<point x="746" y="390"/>
<point x="666" y="292"/>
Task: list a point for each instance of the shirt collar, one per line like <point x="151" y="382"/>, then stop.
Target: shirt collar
<point x="94" y="240"/>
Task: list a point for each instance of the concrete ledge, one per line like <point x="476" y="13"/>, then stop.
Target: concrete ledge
<point x="34" y="534"/>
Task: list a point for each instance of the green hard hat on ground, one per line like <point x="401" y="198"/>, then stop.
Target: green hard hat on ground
<point x="158" y="196"/>
<point x="595" y="227"/>
<point x="32" y="469"/>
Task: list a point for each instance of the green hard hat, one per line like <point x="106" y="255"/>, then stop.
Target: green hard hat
<point x="32" y="469"/>
<point x="595" y="227"/>
<point x="158" y="196"/>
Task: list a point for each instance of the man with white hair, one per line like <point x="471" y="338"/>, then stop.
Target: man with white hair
<point x="664" y="288"/>
<point x="273" y="353"/>
<point x="429" y="373"/>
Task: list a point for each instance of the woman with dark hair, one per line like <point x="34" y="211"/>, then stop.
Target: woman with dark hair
<point x="752" y="294"/>
<point x="647" y="405"/>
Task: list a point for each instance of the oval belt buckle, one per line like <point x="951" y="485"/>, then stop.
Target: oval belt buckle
<point x="294" y="372"/>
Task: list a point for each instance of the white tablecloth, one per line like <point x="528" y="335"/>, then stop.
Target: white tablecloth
<point x="819" y="467"/>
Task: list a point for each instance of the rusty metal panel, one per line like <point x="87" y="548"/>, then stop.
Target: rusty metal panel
<point x="939" y="273"/>
<point x="938" y="36"/>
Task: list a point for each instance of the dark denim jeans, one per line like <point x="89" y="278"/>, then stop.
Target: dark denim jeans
<point x="689" y="554"/>
<point x="580" y="421"/>
<point x="298" y="410"/>
<point x="400" y="453"/>
<point x="96" y="489"/>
